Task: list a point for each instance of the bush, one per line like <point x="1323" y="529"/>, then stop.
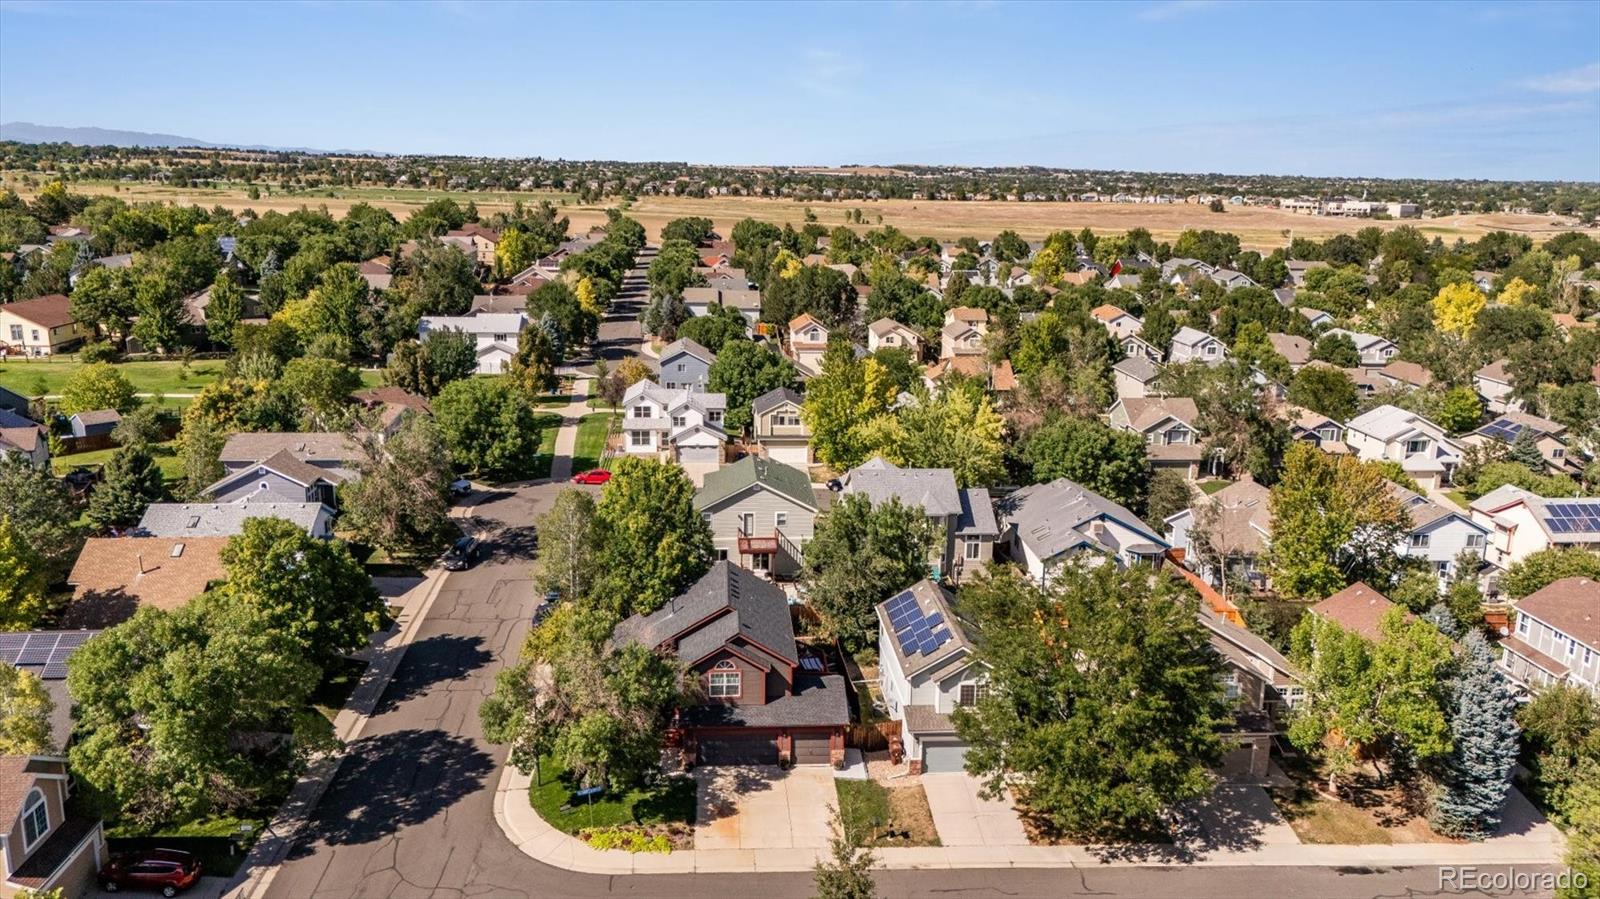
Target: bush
<point x="1494" y="475"/>
<point x="99" y="351"/>
<point x="629" y="839"/>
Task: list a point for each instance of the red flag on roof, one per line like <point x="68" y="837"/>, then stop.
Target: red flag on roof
<point x="1116" y="267"/>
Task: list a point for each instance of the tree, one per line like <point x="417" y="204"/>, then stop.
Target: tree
<point x="489" y="426"/>
<point x="103" y="298"/>
<point x="514" y="252"/>
<point x="42" y="514"/>
<point x="309" y="589"/>
<point x="566" y="546"/>
<point x="847" y="393"/>
<point x="533" y="368"/>
<point x="1110" y="462"/>
<point x="25" y="709"/>
<point x="169" y="706"/>
<point x="23" y="596"/>
<point x="132" y="482"/>
<point x="158" y="303"/>
<point x="337" y="304"/>
<point x="1370" y="697"/>
<point x="1560" y="734"/>
<point x="401" y="502"/>
<point x="1476" y="776"/>
<point x="1326" y="391"/>
<point x="693" y="230"/>
<point x="225" y="309"/>
<point x="956" y="428"/>
<point x="98" y="385"/>
<point x="849" y="874"/>
<point x="1583" y="832"/>
<point x="716" y="329"/>
<point x="1334" y="521"/>
<point x="320" y="389"/>
<point x="744" y="370"/>
<point x="424" y="367"/>
<point x="1169" y="495"/>
<point x="1536" y="571"/>
<point x="1336" y="349"/>
<point x="860" y="554"/>
<point x="1459" y="410"/>
<point x="1524" y="450"/>
<point x="652" y="544"/>
<point x="1105" y="696"/>
<point x="1456" y="308"/>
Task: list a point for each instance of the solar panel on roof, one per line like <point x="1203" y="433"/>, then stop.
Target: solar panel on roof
<point x="54" y="671"/>
<point x="936" y="619"/>
<point x="38" y="650"/>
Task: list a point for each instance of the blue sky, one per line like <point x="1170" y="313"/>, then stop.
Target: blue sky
<point x="1464" y="89"/>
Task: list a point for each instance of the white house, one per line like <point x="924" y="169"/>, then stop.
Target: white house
<point x="926" y="670"/>
<point x="1375" y="351"/>
<point x="1521" y="523"/>
<point x="1045" y="525"/>
<point x="678" y="424"/>
<point x="1439" y="534"/>
<point x="494" y="333"/>
<point x="808" y="341"/>
<point x="1556" y="638"/>
<point x="1118" y="321"/>
<point x="886" y="333"/>
<point x="1316" y="317"/>
<point x="1493" y="383"/>
<point x="1191" y="345"/>
<point x="1389" y="433"/>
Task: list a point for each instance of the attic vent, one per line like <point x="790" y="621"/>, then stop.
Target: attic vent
<point x="177" y="550"/>
<point x="194" y="521"/>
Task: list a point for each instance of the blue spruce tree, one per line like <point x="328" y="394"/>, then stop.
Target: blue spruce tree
<point x="1477" y="774"/>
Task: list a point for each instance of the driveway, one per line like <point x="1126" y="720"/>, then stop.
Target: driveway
<point x="762" y="806"/>
<point x="963" y="818"/>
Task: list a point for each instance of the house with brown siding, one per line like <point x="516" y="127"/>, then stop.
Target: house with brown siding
<point x="45" y="845"/>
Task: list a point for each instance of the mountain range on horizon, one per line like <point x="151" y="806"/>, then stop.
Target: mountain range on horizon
<point x="90" y="136"/>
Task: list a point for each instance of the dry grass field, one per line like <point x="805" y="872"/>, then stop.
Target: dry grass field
<point x="1259" y="228"/>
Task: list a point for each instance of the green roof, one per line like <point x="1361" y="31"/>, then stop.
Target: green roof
<point x="749" y="471"/>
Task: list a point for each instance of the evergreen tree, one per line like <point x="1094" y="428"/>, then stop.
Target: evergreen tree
<point x="1525" y="450"/>
<point x="132" y="482"/>
<point x="1440" y="617"/>
<point x="1477" y="772"/>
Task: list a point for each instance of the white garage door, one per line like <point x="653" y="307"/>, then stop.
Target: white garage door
<point x="943" y="756"/>
<point x="798" y="456"/>
<point x="700" y="454"/>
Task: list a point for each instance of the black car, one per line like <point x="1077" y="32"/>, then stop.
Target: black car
<point x="462" y="554"/>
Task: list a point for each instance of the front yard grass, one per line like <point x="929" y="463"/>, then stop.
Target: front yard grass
<point x="339" y="680"/>
<point x="670" y="801"/>
<point x="880" y="814"/>
<point x="1366" y="812"/>
<point x="166" y="457"/>
<point x="549" y="424"/>
<point x="1212" y="486"/>
<point x="593" y="429"/>
<point x="148" y="376"/>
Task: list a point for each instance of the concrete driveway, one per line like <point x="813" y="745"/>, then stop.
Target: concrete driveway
<point x="963" y="818"/>
<point x="762" y="806"/>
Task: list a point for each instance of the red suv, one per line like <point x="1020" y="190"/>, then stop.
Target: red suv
<point x="167" y="870"/>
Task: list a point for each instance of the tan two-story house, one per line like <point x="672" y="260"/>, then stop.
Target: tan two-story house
<point x="44" y="846"/>
<point x="41" y="327"/>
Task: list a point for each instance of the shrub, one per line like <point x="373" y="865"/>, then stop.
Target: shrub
<point x="628" y="839"/>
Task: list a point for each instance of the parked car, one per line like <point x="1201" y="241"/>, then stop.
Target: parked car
<point x="460" y="487"/>
<point x="592" y="476"/>
<point x="462" y="554"/>
<point x="166" y="870"/>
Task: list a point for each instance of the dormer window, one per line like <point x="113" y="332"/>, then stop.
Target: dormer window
<point x="35" y="820"/>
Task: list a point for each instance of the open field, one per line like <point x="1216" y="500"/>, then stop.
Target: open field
<point x="35" y="377"/>
<point x="1258" y="227"/>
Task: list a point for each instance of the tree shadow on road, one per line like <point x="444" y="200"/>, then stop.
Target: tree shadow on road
<point x="446" y="657"/>
<point x="392" y="781"/>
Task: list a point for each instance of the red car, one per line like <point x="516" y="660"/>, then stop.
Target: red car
<point x="166" y="870"/>
<point x="592" y="476"/>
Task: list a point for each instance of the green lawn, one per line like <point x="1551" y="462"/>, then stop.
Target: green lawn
<point x="338" y="682"/>
<point x="863" y="806"/>
<point x="1210" y="487"/>
<point x="671" y="801"/>
<point x="549" y="425"/>
<point x="592" y="432"/>
<point x="48" y="376"/>
<point x="166" y="456"/>
<point x="1457" y="497"/>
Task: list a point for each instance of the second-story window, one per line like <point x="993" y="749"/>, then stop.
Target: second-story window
<point x="1419" y="541"/>
<point x="641" y="412"/>
<point x="724" y="681"/>
<point x="780" y="519"/>
<point x="1416" y="445"/>
<point x="1522" y="625"/>
<point x="972" y="694"/>
<point x="679" y="421"/>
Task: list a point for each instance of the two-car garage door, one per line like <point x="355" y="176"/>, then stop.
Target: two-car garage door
<point x="943" y="756"/>
<point x="739" y="749"/>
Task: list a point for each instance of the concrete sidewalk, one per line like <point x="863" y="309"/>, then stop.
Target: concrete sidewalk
<point x="540" y="841"/>
<point x="567" y="437"/>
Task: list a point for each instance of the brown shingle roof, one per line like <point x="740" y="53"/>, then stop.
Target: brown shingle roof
<point x="115" y="575"/>
<point x="1571" y="605"/>
<point x="50" y="311"/>
<point x="1357" y="608"/>
<point x="1409" y="372"/>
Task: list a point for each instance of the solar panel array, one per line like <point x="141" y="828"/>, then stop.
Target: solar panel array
<point x="915" y="631"/>
<point x="1573" y="517"/>
<point x="47" y="650"/>
<point x="1502" y="429"/>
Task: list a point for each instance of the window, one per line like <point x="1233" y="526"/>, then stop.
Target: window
<point x="1558" y="453"/>
<point x="679" y="421"/>
<point x="1416" y="445"/>
<point x="974" y="549"/>
<point x="706" y="517"/>
<point x="1230" y="685"/>
<point x="714" y="416"/>
<point x="1522" y="625"/>
<point x="1420" y="541"/>
<point x="780" y="519"/>
<point x="1388" y="353"/>
<point x="35" y="333"/>
<point x="500" y="338"/>
<point x="972" y="694"/>
<point x="722" y="555"/>
<point x="724" y="683"/>
<point x="639" y="438"/>
<point x="1572" y="647"/>
<point x="1474" y="541"/>
<point x="761" y="562"/>
<point x="747" y="522"/>
<point x="680" y="366"/>
<point x="641" y="412"/>
<point x="1211" y="349"/>
<point x="35" y="820"/>
<point x="16" y="332"/>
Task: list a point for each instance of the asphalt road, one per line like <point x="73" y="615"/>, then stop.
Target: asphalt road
<point x="411" y="813"/>
<point x="621" y="333"/>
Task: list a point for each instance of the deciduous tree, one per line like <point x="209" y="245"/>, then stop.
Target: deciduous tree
<point x="25" y="709"/>
<point x="859" y="556"/>
<point x="652" y="544"/>
<point x="22" y="580"/>
<point x="1110" y="462"/>
<point x="401" y="502"/>
<point x="98" y="385"/>
<point x="567" y="550"/>
<point x="1333" y="522"/>
<point x="743" y="371"/>
<point x="489" y="426"/>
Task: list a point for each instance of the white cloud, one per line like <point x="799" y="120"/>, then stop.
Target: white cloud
<point x="1581" y="80"/>
<point x="1161" y="12"/>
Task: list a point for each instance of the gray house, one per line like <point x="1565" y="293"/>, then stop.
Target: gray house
<point x="761" y="513"/>
<point x="926" y="670"/>
<point x="686" y="365"/>
<point x="94" y="423"/>
<point x="279" y="478"/>
<point x="965" y="515"/>
<point x="778" y="428"/>
<point x="227" y="519"/>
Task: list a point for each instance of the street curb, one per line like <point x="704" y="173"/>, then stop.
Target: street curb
<point x="535" y="838"/>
